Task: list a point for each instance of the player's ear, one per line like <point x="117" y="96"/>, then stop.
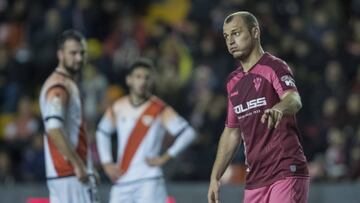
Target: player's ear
<point x="256" y="32"/>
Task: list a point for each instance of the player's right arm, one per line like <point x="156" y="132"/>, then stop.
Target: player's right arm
<point x="229" y="142"/>
<point x="104" y="131"/>
<point x="56" y="99"/>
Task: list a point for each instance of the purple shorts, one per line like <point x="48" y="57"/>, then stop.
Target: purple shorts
<point x="288" y="190"/>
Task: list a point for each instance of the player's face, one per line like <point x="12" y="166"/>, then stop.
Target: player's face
<point x="140" y="81"/>
<point x="239" y="39"/>
<point x="72" y="55"/>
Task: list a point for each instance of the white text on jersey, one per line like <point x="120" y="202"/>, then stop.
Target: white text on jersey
<point x="254" y="103"/>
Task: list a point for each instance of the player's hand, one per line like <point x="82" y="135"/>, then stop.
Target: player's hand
<point x="112" y="171"/>
<point x="158" y="161"/>
<point x="96" y="176"/>
<point x="80" y="172"/>
<point x="213" y="193"/>
<point x="272" y="116"/>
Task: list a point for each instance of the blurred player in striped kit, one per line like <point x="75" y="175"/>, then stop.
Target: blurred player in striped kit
<point x="140" y="120"/>
<point x="65" y="139"/>
<point x="262" y="103"/>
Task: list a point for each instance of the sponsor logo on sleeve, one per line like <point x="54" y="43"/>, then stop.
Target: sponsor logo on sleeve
<point x="288" y="80"/>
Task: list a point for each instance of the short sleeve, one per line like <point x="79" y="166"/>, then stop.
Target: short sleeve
<point x="55" y="104"/>
<point x="172" y="121"/>
<point x="231" y="119"/>
<point x="283" y="79"/>
<point x="107" y="122"/>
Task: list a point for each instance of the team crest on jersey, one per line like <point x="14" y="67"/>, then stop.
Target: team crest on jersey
<point x="289" y="81"/>
<point x="257" y="82"/>
<point x="147" y="120"/>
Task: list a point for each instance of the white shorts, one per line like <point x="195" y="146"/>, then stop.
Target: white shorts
<point x="68" y="190"/>
<point x="141" y="191"/>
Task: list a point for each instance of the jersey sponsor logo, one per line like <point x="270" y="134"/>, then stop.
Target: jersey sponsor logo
<point x="257" y="82"/>
<point x="289" y="81"/>
<point x="252" y="104"/>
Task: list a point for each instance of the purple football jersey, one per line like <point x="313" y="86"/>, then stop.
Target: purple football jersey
<point x="271" y="154"/>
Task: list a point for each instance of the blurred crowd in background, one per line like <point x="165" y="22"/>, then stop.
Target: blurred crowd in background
<point x="319" y="39"/>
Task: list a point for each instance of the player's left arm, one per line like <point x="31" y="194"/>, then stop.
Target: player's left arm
<point x="290" y="101"/>
<point x="178" y="127"/>
<point x="289" y="105"/>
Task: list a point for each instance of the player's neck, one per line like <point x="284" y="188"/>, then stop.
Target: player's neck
<point x="137" y="100"/>
<point x="252" y="59"/>
<point x="64" y="71"/>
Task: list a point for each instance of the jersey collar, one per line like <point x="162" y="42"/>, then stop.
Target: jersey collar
<point x="262" y="58"/>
